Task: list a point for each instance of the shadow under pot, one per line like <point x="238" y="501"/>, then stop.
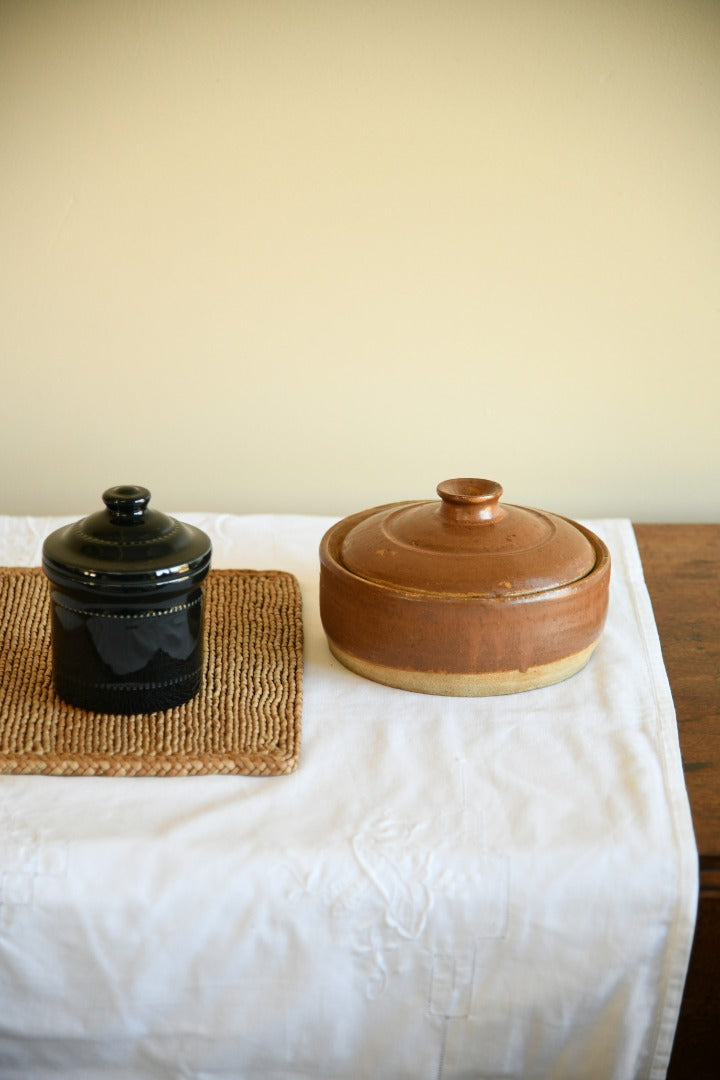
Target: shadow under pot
<point x="127" y="606"/>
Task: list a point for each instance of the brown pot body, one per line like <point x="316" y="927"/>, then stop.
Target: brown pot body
<point x="453" y="644"/>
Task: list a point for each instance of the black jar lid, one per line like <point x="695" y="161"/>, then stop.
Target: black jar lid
<point x="127" y="548"/>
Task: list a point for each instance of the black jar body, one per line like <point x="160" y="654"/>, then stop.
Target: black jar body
<point x="127" y="607"/>
<point x="127" y="655"/>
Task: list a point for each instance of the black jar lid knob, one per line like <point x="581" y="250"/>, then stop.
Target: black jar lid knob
<point x="126" y="504"/>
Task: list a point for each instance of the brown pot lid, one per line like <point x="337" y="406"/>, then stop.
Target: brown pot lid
<point x="468" y="543"/>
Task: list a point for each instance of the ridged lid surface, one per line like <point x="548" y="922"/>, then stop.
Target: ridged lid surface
<point x="467" y="543"/>
<point x="126" y="545"/>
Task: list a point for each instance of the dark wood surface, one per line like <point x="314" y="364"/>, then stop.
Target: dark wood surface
<point x="682" y="572"/>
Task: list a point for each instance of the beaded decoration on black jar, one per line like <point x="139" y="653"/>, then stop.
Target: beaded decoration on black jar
<point x="127" y="600"/>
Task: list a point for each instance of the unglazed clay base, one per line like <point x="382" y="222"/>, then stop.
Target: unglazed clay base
<point x="452" y="684"/>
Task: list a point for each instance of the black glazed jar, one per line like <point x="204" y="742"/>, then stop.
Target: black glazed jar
<point x="127" y="599"/>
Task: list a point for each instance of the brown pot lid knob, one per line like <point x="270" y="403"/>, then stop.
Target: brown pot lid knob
<point x="126" y="504"/>
<point x="469" y="501"/>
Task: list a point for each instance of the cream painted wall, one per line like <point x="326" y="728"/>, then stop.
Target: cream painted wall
<point x="312" y="257"/>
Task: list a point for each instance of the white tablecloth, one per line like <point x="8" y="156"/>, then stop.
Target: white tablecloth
<point x="445" y="888"/>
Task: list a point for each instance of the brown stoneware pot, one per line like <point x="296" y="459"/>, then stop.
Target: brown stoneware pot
<point x="465" y="596"/>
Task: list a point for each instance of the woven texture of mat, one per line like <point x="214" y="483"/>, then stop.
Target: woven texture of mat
<point x="246" y="718"/>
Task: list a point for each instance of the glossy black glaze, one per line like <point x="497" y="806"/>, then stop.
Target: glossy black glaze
<point x="127" y="548"/>
<point x="127" y="606"/>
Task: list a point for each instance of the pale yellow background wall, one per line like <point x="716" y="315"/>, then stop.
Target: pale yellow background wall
<point x="315" y="256"/>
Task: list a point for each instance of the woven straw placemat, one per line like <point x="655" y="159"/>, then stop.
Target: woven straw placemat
<point x="246" y="718"/>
